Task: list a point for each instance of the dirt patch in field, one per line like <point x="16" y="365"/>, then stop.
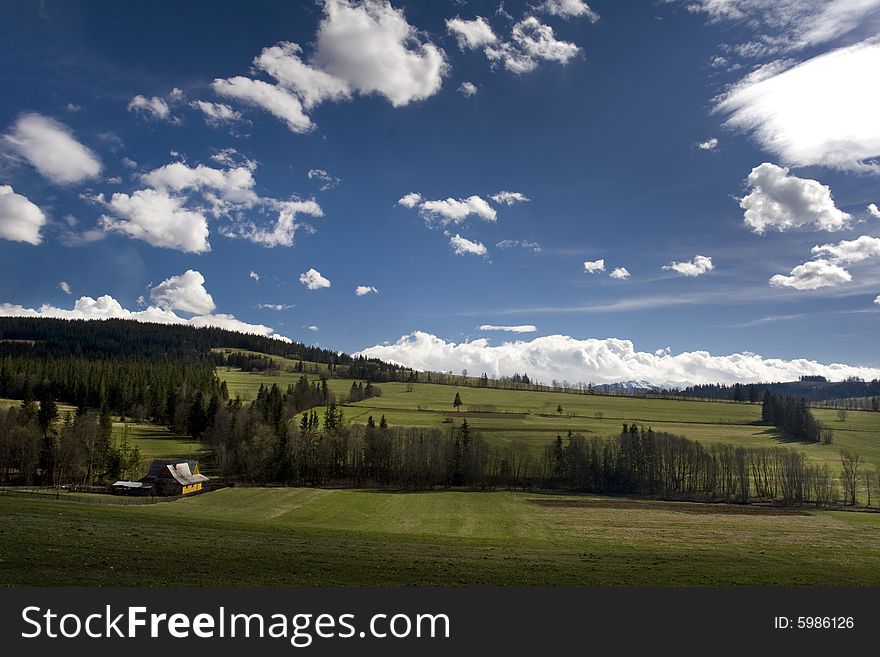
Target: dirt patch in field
<point x="697" y="508"/>
<point x="490" y="415"/>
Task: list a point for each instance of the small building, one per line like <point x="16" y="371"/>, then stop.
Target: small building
<point x="167" y="477"/>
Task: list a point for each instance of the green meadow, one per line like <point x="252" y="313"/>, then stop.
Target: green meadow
<point x="288" y="536"/>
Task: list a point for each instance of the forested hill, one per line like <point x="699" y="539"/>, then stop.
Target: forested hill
<point x="809" y="388"/>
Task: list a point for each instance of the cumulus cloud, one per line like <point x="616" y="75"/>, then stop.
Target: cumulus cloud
<point x="522" y="328"/>
<point x="282" y="233"/>
<point x="509" y="198"/>
<point x="158" y="218"/>
<point x="534" y="247"/>
<point x="463" y="246"/>
<point x="569" y="9"/>
<point x="283" y="62"/>
<point x="216" y="113"/>
<point x="599" y="361"/>
<point x="468" y="89"/>
<point x="362" y="290"/>
<point x="593" y="266"/>
<point x="106" y="307"/>
<point x="849" y="251"/>
<point x="327" y="181"/>
<point x="274" y="306"/>
<point x="780" y="200"/>
<point x="471" y="34"/>
<point x="151" y="108"/>
<point x="531" y="42"/>
<point x="410" y="200"/>
<point x="709" y="145"/>
<point x="696" y="267"/>
<point x="620" y="274"/>
<point x="874" y="210"/>
<point x="64" y="286"/>
<point x="275" y="100"/>
<point x="819" y="112"/>
<point x="813" y="275"/>
<point x="232" y="186"/>
<point x="255" y="276"/>
<point x="51" y="148"/>
<point x="186" y="293"/>
<point x="20" y="219"/>
<point x="313" y="279"/>
<point x="877" y="300"/>
<point x="448" y="210"/>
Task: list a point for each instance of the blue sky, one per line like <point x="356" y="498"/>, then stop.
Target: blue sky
<point x="732" y="137"/>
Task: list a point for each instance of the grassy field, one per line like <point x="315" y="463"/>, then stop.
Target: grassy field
<point x="158" y="442"/>
<point x="246" y="536"/>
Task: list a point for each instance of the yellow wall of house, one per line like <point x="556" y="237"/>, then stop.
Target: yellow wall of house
<point x="192" y="488"/>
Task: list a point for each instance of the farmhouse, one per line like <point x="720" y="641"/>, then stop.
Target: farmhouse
<point x="166" y="477"/>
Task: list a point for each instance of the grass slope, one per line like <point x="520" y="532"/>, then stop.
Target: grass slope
<point x="334" y="537"/>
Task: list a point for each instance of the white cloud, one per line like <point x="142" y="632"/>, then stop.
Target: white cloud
<point x="329" y="182"/>
<point x="274" y="306"/>
<point x="593" y="266"/>
<point x="282" y="61"/>
<point x="468" y="89"/>
<point x="185" y="292"/>
<point x="64" y="286"/>
<point x="877" y="300"/>
<point x="255" y="276"/>
<point x="874" y="210"/>
<point x="456" y="210"/>
<point x="216" y="113"/>
<point x="534" y="247"/>
<point x="362" y="290"/>
<point x="782" y="201"/>
<point x="410" y="200"/>
<point x="463" y="246"/>
<point x="709" y="145"/>
<point x="312" y="328"/>
<point x="813" y="275"/>
<point x="374" y="49"/>
<point x="72" y="107"/>
<point x="106" y="307"/>
<point x="313" y="279"/>
<point x="523" y="328"/>
<point x="531" y="42"/>
<point x="600" y="361"/>
<point x="158" y="219"/>
<point x="282" y="233"/>
<point x="20" y="219"/>
<point x="696" y="267"/>
<point x="509" y="198"/>
<point x="849" y="251"/>
<point x="569" y="9"/>
<point x="620" y="274"/>
<point x="471" y="34"/>
<point x="275" y="100"/>
<point x="128" y="163"/>
<point x="153" y="108"/>
<point x="51" y="148"/>
<point x="235" y="185"/>
<point x="819" y="112"/>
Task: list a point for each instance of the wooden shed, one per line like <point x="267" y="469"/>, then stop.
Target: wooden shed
<point x="166" y="477"/>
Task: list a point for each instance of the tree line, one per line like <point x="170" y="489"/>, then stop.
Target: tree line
<point x="793" y="419"/>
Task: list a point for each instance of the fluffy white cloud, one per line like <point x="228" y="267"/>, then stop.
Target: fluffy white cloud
<point x="782" y="201"/>
<point x="849" y="251"/>
<point x="216" y="113"/>
<point x="51" y="148"/>
<point x="328" y="181"/>
<point x="362" y="290"/>
<point x="275" y="100"/>
<point x="468" y="89"/>
<point x="128" y="163"/>
<point x="374" y="49"/>
<point x="106" y="307"/>
<point x="185" y="292"/>
<point x="282" y="233"/>
<point x="620" y="274"/>
<point x="235" y="185"/>
<point x="509" y="198"/>
<point x="813" y="275"/>
<point x="522" y="328"/>
<point x="312" y="328"/>
<point x="283" y="62"/>
<point x="530" y="43"/>
<point x="874" y="210"/>
<point x="709" y="145"/>
<point x="819" y="112"/>
<point x="877" y="300"/>
<point x="274" y="306"/>
<point x="471" y="34"/>
<point x="157" y="218"/>
<point x="569" y="9"/>
<point x="534" y="247"/>
<point x="696" y="267"/>
<point x="599" y="361"/>
<point x="593" y="266"/>
<point x="456" y="210"/>
<point x="463" y="246"/>
<point x="153" y="108"/>
<point x="255" y="276"/>
<point x="20" y="219"/>
<point x="410" y="200"/>
<point x="313" y="279"/>
<point x="64" y="286"/>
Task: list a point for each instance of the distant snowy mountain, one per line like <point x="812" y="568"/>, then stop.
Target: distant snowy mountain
<point x="628" y="386"/>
